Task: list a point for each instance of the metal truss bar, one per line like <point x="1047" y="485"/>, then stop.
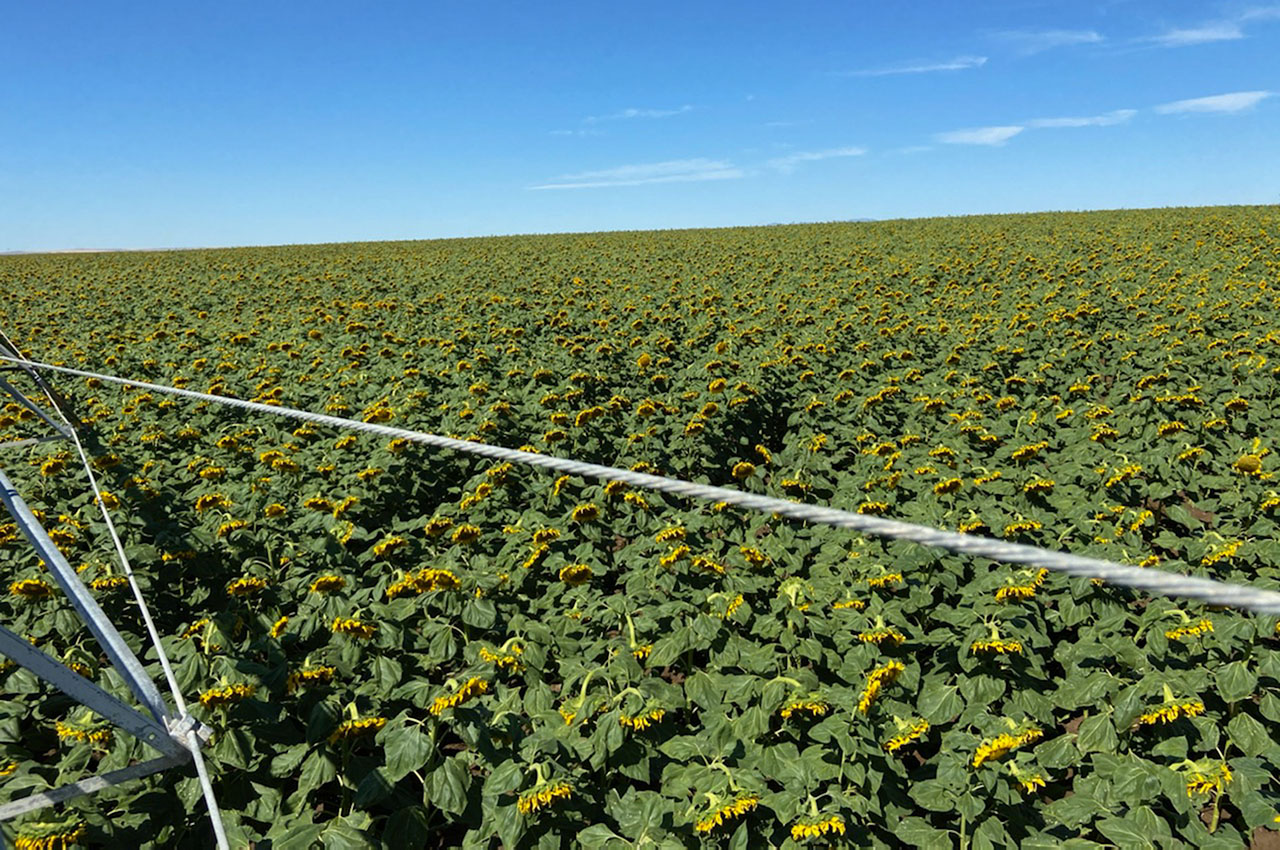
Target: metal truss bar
<point x="86" y="606"/>
<point x="29" y="405"/>
<point x="87" y="786"/>
<point x="31" y="441"/>
<point x="88" y="694"/>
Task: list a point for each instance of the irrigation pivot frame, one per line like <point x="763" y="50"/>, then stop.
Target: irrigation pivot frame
<point x="177" y="738"/>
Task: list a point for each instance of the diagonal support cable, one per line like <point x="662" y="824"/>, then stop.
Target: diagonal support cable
<point x="1208" y="591"/>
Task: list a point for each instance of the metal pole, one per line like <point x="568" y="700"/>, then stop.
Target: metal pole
<point x="86" y="606"/>
<point x="44" y="799"/>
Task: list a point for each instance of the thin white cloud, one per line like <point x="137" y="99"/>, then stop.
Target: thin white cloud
<point x="1232" y="102"/>
<point x="1260" y="13"/>
<point x="1108" y="119"/>
<point x="994" y="136"/>
<point x="670" y="171"/>
<point x="586" y="131"/>
<point x="1226" y="29"/>
<point x="1028" y="42"/>
<point x="629" y="114"/>
<point x="1221" y="31"/>
<point x="960" y="63"/>
<point x="787" y="164"/>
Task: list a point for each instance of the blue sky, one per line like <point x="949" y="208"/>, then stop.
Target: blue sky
<point x="232" y="123"/>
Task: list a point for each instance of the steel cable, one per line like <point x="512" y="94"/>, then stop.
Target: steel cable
<point x="1208" y="591"/>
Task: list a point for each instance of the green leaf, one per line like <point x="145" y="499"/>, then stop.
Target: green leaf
<point x="1097" y="735"/>
<point x="640" y="814"/>
<point x="1125" y="833"/>
<point x="701" y="690"/>
<point x="322" y="721"/>
<point x="753" y="723"/>
<point x="1236" y="681"/>
<point x="318" y="769"/>
<point x="342" y="833"/>
<point x="1249" y="735"/>
<point x="479" y="613"/>
<point x="387" y="673"/>
<point x="286" y="763"/>
<point x="990" y="835"/>
<point x="597" y="837"/>
<point x="1174" y="747"/>
<point x="667" y="650"/>
<point x="446" y="787"/>
<point x="1074" y="811"/>
<point x="939" y="703"/>
<point x="1059" y="752"/>
<point x="933" y="795"/>
<point x="915" y="832"/>
<point x="1257" y="809"/>
<point x="233" y="746"/>
<point x="373" y="789"/>
<point x="509" y="824"/>
<point x="407" y="749"/>
<point x="981" y="689"/>
<point x="503" y="778"/>
<point x="408" y="826"/>
<point x="300" y="836"/>
<point x="681" y="749"/>
<point x="1182" y="517"/>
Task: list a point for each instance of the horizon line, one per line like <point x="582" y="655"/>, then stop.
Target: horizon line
<point x="518" y="234"/>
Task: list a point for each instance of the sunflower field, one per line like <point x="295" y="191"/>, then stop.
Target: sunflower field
<point x="405" y="647"/>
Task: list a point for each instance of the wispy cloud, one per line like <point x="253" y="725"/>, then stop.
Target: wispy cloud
<point x="1221" y="31"/>
<point x="960" y="63"/>
<point x="1225" y="29"/>
<point x="629" y="114"/>
<point x="581" y="131"/>
<point x="1028" y="42"/>
<point x="993" y="136"/>
<point x="999" y="135"/>
<point x="670" y="171"/>
<point x="1232" y="102"/>
<point x="1108" y="119"/>
<point x="1260" y="13"/>
<point x="787" y="164"/>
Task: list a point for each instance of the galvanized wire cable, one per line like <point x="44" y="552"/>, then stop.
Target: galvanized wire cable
<point x="1209" y="591"/>
<point x="190" y="739"/>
